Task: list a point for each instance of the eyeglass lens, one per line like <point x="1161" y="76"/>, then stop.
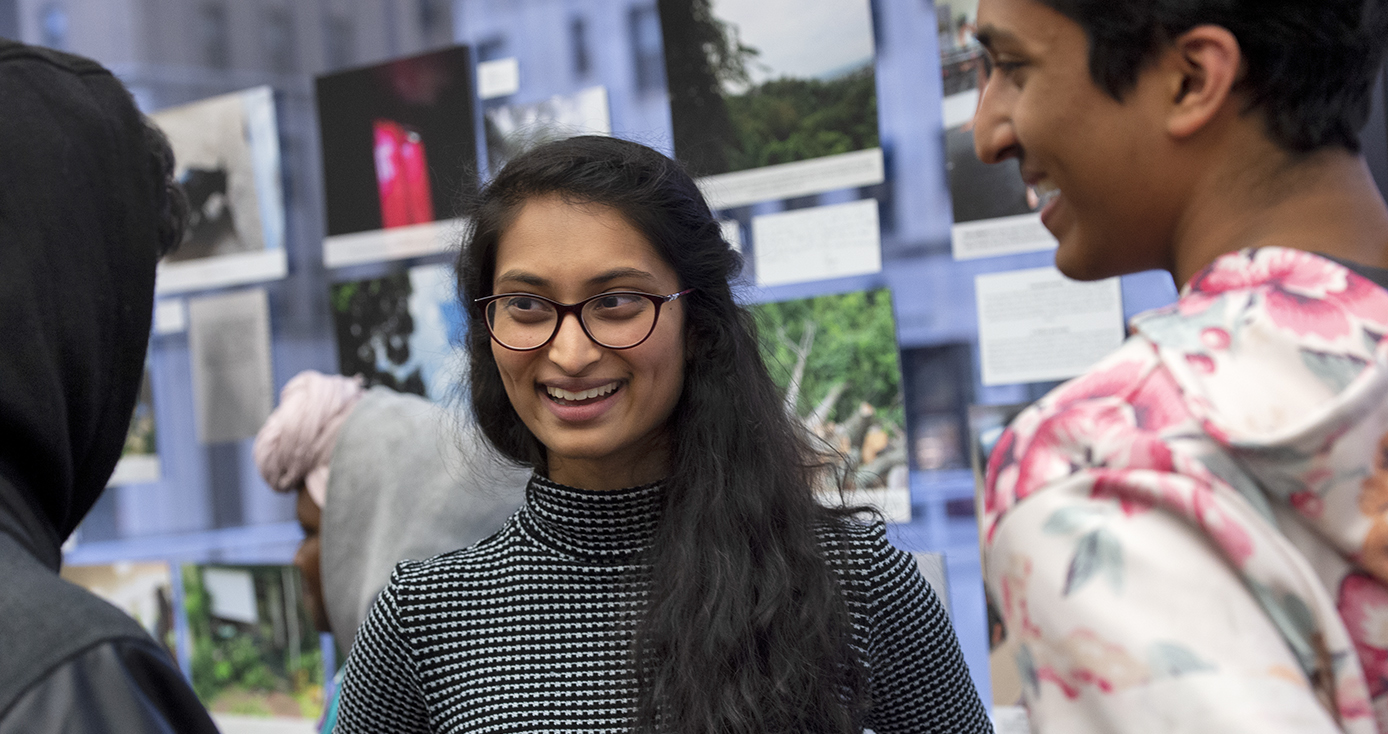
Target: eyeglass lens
<point x="614" y="320"/>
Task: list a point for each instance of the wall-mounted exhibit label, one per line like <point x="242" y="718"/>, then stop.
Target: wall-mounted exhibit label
<point x="220" y="272"/>
<point x="498" y="78"/>
<point x="229" y="344"/>
<point x="788" y="180"/>
<point x="1000" y="236"/>
<point x="1037" y="325"/>
<point x="732" y="233"/>
<point x="398" y="243"/>
<point x="818" y="243"/>
<point x="170" y="316"/>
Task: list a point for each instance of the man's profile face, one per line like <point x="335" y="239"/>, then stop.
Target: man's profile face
<point x="1093" y="154"/>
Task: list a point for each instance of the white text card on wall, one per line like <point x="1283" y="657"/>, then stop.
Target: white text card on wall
<point x="498" y="78"/>
<point x="818" y="243"/>
<point x="170" y="316"/>
<point x="1001" y="236"/>
<point x="229" y="344"/>
<point x="1037" y="325"/>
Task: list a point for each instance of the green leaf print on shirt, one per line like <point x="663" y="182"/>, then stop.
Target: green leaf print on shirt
<point x="1169" y="660"/>
<point x="1335" y="370"/>
<point x="1068" y="520"/>
<point x="1098" y="553"/>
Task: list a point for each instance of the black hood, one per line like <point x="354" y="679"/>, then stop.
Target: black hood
<point x="79" y="238"/>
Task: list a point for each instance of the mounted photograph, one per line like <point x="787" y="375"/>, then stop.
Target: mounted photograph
<point x="835" y="359"/>
<point x="228" y="160"/>
<point x="399" y="330"/>
<point x="773" y="99"/>
<point x="399" y="151"/>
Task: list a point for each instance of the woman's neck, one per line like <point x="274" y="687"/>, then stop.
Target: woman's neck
<point x="631" y="468"/>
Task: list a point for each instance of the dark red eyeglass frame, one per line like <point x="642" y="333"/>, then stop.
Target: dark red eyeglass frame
<point x="563" y="309"/>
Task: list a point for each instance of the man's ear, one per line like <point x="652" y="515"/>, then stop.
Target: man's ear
<point x="1204" y="64"/>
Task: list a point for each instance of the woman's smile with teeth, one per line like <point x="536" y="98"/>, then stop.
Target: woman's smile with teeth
<point x="559" y="393"/>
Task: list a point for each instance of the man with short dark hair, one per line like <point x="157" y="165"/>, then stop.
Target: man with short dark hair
<point x="87" y="207"/>
<point x="1193" y="536"/>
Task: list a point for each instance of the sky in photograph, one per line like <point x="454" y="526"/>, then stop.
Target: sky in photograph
<point x="801" y="38"/>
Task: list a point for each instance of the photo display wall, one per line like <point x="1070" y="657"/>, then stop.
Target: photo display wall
<point x="806" y="123"/>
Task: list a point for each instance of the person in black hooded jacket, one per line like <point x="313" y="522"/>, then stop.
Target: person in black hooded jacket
<point x="87" y="207"/>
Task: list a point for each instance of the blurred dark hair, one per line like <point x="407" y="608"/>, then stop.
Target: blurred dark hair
<point x="1309" y="69"/>
<point x="173" y="204"/>
<point x="747" y="630"/>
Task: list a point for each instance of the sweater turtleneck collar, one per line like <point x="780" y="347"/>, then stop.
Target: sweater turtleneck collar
<point x="607" y="526"/>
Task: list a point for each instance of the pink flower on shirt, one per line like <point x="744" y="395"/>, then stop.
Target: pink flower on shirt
<point x="1363" y="604"/>
<point x="1304" y="294"/>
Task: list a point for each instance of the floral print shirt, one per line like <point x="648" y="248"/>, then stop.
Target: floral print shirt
<point x="1193" y="536"/>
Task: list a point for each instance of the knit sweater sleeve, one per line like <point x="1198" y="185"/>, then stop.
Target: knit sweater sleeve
<point x="919" y="680"/>
<point x="381" y="690"/>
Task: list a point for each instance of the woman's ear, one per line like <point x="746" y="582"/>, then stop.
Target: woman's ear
<point x="1204" y="64"/>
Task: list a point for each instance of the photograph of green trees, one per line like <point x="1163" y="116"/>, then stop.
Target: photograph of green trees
<point x="755" y="83"/>
<point x="835" y="358"/>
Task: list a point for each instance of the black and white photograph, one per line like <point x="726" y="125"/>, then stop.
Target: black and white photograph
<point x="228" y="161"/>
<point x="516" y="128"/>
<point x="399" y="331"/>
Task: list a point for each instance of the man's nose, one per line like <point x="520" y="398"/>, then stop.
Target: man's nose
<point x="995" y="138"/>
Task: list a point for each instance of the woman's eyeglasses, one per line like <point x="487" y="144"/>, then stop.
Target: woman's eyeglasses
<point x="616" y="320"/>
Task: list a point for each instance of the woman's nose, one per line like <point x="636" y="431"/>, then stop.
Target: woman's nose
<point x="571" y="348"/>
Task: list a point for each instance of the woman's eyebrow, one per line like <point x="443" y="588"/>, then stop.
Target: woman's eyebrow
<point x="527" y="278"/>
<point x="520" y="276"/>
<point x="617" y="273"/>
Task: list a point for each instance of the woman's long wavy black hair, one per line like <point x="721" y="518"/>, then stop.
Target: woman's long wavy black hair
<point x="747" y="628"/>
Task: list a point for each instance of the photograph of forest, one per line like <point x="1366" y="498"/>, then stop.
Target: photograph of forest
<point x="255" y="651"/>
<point x="755" y="83"/>
<point x="835" y="358"/>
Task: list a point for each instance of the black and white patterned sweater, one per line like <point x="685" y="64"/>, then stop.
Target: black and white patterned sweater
<point x="531" y="629"/>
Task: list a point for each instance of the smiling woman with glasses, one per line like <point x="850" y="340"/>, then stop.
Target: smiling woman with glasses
<point x="671" y="569"/>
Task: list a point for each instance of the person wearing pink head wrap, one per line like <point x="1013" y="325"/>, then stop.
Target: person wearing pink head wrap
<point x="406" y="481"/>
<point x="292" y="451"/>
